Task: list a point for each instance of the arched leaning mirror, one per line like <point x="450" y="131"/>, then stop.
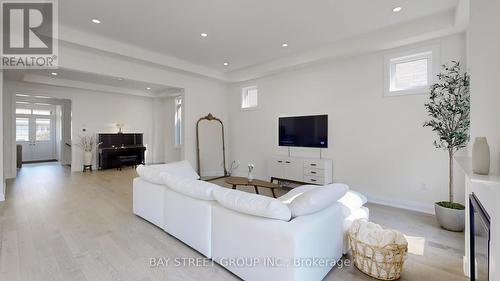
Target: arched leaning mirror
<point x="211" y="148"/>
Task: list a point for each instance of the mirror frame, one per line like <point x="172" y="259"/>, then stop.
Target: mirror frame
<point x="210" y="117"/>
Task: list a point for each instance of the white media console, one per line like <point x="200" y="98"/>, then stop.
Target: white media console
<point x="304" y="170"/>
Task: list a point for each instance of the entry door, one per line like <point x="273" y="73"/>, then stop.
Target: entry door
<point x="43" y="139"/>
<point x="23" y="135"/>
<point x="36" y="133"/>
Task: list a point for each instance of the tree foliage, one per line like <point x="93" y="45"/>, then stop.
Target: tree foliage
<point x="449" y="108"/>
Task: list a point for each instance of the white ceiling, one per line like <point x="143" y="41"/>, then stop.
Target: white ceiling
<point x="243" y="32"/>
<point x="90" y="81"/>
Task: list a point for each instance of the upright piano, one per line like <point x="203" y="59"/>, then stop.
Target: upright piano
<point x="117" y="150"/>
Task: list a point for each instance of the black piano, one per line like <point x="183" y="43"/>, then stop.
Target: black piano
<point x="118" y="150"/>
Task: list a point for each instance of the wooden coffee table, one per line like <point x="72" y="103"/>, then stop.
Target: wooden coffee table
<point x="235" y="181"/>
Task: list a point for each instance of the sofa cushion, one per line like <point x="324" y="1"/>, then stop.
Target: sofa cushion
<point x="292" y="194"/>
<point x="181" y="168"/>
<point x="152" y="173"/>
<point x="190" y="187"/>
<point x="252" y="204"/>
<point x="353" y="200"/>
<point x="317" y="199"/>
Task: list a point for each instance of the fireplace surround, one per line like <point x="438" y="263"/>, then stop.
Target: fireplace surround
<point x="479" y="247"/>
<point x="485" y="191"/>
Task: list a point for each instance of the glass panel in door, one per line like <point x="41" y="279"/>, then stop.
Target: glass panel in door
<point x="44" y="142"/>
<point x="42" y="130"/>
<point x="23" y="137"/>
<point x="22" y="129"/>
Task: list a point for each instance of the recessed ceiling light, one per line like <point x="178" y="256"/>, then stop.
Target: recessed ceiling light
<point x="204" y="35"/>
<point x="119" y="79"/>
<point x="96" y="21"/>
<point x="148" y="88"/>
<point x="397" y="9"/>
<point x="53" y="73"/>
<point x="22" y="95"/>
<point x="284" y="45"/>
<point x="226" y="64"/>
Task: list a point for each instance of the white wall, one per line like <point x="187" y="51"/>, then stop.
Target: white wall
<point x="484" y="57"/>
<point x="93" y="111"/>
<point x="163" y="131"/>
<point x="2" y="178"/>
<point x="377" y="143"/>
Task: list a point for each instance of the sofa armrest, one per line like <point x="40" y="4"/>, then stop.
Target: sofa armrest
<point x="319" y="235"/>
<point x="303" y="240"/>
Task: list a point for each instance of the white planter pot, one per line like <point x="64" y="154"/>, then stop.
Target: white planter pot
<point x="450" y="219"/>
<point x="87" y="158"/>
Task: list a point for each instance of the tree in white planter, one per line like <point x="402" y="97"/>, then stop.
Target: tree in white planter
<point x="449" y="110"/>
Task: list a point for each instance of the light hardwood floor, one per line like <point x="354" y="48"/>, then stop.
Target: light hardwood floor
<point x="58" y="225"/>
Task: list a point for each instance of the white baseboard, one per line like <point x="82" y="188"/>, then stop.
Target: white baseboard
<point x="402" y="204"/>
<point x="396" y="203"/>
<point x="255" y="176"/>
<point x="213" y="174"/>
<point x="465" y="264"/>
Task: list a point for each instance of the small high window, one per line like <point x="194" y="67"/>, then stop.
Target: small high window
<point x="249" y="97"/>
<point x="410" y="72"/>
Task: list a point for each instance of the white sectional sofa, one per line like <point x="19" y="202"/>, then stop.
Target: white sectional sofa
<point x="254" y="236"/>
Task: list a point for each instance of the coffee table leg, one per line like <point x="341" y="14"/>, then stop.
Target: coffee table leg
<point x="274" y="195"/>
<point x="234" y="186"/>
<point x="256" y="189"/>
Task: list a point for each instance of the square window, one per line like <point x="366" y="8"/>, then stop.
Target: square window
<point x="410" y="72"/>
<point x="249" y="97"/>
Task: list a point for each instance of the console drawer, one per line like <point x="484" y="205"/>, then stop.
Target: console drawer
<point x="311" y="163"/>
<point x="314" y="180"/>
<point x="313" y="172"/>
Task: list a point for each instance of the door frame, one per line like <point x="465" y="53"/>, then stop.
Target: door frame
<point x="32" y="141"/>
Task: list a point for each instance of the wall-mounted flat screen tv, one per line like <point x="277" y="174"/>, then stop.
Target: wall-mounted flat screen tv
<point x="304" y="131"/>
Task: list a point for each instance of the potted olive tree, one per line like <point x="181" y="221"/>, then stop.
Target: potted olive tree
<point x="449" y="112"/>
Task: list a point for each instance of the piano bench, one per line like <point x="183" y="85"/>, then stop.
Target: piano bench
<point x="128" y="160"/>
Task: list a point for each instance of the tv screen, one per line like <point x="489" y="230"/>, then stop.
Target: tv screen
<point x="304" y="131"/>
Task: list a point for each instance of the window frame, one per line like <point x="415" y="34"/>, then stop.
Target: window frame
<point x="244" y="93"/>
<point x="178" y="119"/>
<point x="431" y="53"/>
